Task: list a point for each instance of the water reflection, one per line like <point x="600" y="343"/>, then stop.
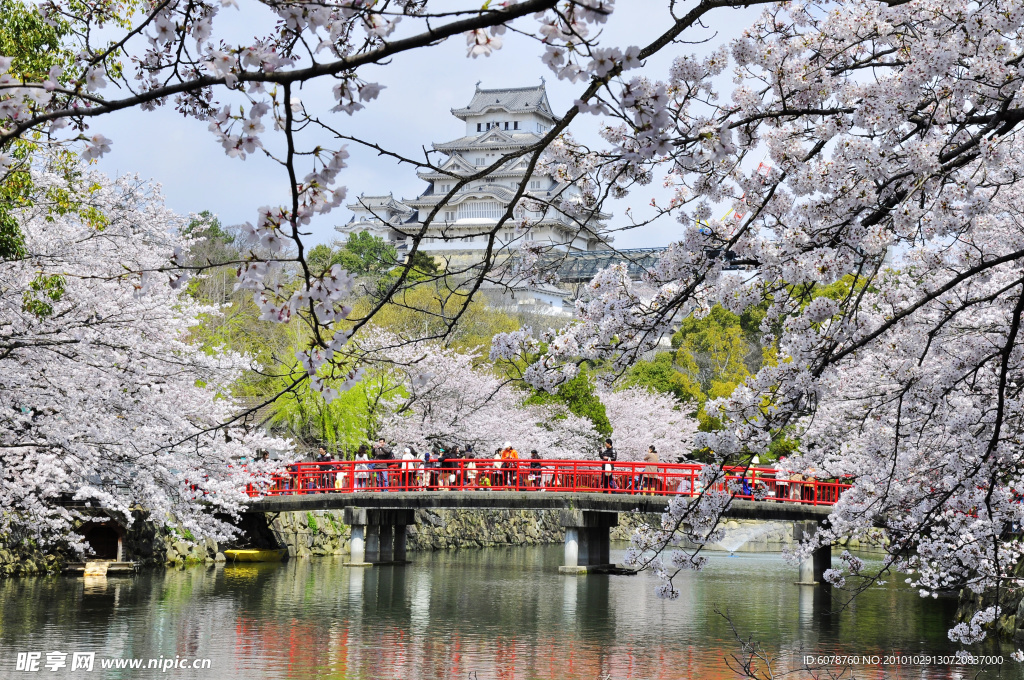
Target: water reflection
<point x="498" y="613"/>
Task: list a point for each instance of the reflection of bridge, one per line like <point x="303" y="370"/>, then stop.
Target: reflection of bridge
<point x="379" y="503"/>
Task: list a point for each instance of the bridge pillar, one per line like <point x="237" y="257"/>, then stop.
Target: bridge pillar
<point x="587" y="540"/>
<point x="386" y="535"/>
<point x="400" y="535"/>
<point x="822" y="562"/>
<point x="377" y="535"/>
<point x="357" y="545"/>
<point x="813" y="567"/>
<point x="601" y="545"/>
<point x="572" y="547"/>
<point x="372" y="543"/>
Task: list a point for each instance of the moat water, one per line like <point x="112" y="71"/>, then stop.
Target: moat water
<point x="502" y="613"/>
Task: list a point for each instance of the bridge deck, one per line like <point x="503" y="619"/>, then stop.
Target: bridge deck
<point x="525" y="500"/>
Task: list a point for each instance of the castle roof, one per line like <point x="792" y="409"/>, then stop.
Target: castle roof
<point x="512" y="99"/>
<point x="488" y="140"/>
<point x="375" y="203"/>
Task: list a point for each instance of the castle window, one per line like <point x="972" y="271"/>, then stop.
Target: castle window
<point x="478" y="127"/>
<point x="515" y="125"/>
<point x="479" y="161"/>
<point x="506" y="124"/>
<point x="491" y="210"/>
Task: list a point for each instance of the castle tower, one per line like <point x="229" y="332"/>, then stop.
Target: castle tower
<point x="497" y="122"/>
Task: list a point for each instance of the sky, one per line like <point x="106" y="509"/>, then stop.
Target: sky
<point x="422" y="87"/>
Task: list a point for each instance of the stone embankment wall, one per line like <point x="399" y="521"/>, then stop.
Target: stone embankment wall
<point x="306" y="534"/>
<point x="441" y="529"/>
<point x="1010" y="624"/>
<point x="323" y="533"/>
<point x="16" y="561"/>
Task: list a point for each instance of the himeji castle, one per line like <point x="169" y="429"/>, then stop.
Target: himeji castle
<point x="497" y="122"/>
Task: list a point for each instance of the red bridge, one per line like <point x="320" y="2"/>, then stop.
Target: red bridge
<point x="379" y="499"/>
<point x="574" y="476"/>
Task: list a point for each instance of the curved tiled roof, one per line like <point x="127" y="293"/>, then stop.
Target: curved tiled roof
<point x="512" y="99"/>
<point x="497" y="191"/>
<point x="515" y="140"/>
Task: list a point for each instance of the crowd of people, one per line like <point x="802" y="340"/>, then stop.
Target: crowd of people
<point x="384" y="467"/>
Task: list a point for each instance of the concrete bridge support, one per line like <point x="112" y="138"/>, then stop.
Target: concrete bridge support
<point x="814" y="566"/>
<point x="378" y="535"/>
<point x="587" y="540"/>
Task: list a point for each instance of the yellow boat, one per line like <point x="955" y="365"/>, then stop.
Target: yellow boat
<point x="256" y="555"/>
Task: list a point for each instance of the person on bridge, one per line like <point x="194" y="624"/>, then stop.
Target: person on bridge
<point x="508" y="455"/>
<point x="459" y="467"/>
<point x="650" y="477"/>
<point x="381" y="455"/>
<point x="408" y="468"/>
<point x="534" y="469"/>
<point x="781" y="481"/>
<point x="322" y="458"/>
<point x="448" y="463"/>
<point x="796" y="487"/>
<point x="362" y="466"/>
<point x="608" y="455"/>
<point x="745" y="486"/>
<point x="494" y="478"/>
<point x="430" y="457"/>
<point x="471" y="472"/>
<point x="422" y="457"/>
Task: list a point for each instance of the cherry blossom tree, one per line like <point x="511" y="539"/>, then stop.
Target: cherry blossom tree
<point x="641" y="417"/>
<point x="104" y="401"/>
<point x="889" y="133"/>
<point x="448" y="397"/>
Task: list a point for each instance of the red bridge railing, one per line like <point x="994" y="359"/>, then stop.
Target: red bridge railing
<point x="464" y="474"/>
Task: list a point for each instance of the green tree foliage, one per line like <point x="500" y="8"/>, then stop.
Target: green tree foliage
<point x="837" y="290"/>
<point x="423" y="265"/>
<point x="236" y="324"/>
<point x="34" y="47"/>
<point x="579" y="397"/>
<point x="714" y="354"/>
<point x="322" y="257"/>
<point x="429" y="309"/>
<point x="364" y="254"/>
<point x="339" y="426"/>
<point x="42" y="292"/>
<point x="422" y="269"/>
<point x="298" y="411"/>
<point x="660" y="374"/>
<point x="33" y="44"/>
